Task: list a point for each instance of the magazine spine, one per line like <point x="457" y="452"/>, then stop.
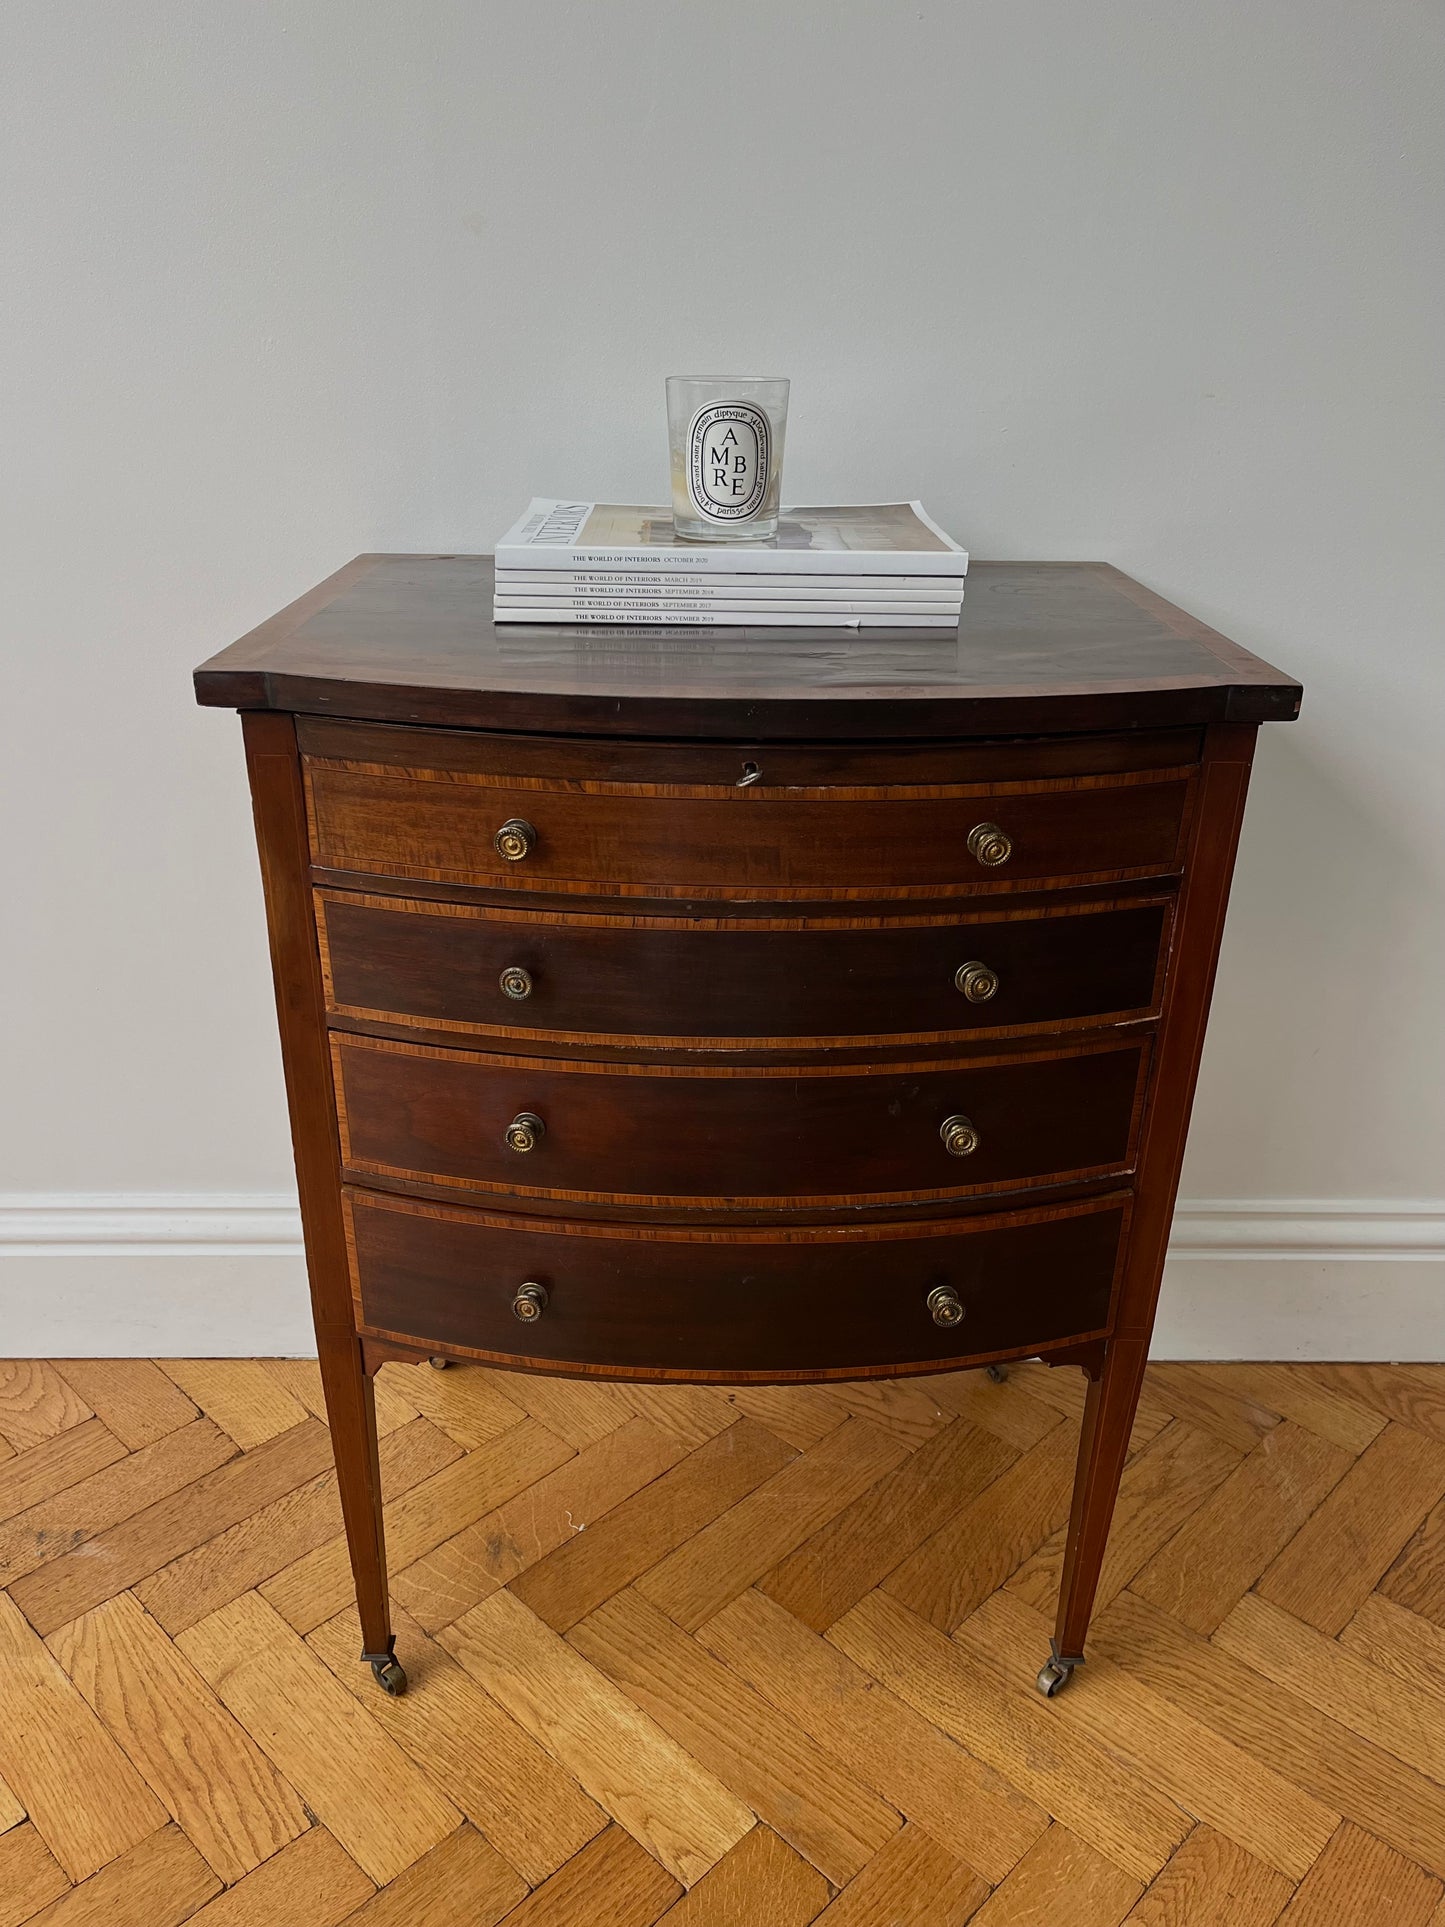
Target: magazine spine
<point x="562" y="615"/>
<point x="726" y="560"/>
<point x="732" y="588"/>
<point x="878" y="607"/>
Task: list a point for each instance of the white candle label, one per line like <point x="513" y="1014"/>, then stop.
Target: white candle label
<point x="729" y="453"/>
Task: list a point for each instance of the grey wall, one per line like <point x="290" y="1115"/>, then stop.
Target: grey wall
<point x="1158" y="283"/>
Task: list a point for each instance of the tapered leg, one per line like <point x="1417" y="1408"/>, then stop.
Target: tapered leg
<point x="351" y="1413"/>
<point x="278" y="800"/>
<point x="1109" y="1408"/>
<point x="1114" y="1394"/>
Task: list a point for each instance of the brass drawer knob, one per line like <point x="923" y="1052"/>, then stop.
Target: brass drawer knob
<point x="517" y="983"/>
<point x="960" y="1139"/>
<point x="529" y="1303"/>
<point x="515" y="839"/>
<point x="525" y="1132"/>
<point x="989" y="845"/>
<point x="977" y="982"/>
<point x="945" y="1305"/>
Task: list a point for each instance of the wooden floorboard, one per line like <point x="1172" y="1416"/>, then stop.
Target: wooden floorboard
<point x="720" y="1657"/>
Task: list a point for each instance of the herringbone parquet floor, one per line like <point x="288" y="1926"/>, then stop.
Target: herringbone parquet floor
<point x="749" y="1658"/>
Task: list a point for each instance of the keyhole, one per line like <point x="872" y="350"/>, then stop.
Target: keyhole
<point x="750" y="774"/>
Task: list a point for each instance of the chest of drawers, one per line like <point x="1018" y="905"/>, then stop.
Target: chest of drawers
<point x="744" y="1005"/>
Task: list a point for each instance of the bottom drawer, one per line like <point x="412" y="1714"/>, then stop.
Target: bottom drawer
<point x="673" y="1301"/>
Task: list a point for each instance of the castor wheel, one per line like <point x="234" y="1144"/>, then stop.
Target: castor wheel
<point x="390" y="1676"/>
<point x="439" y="1364"/>
<point x="1054" y="1676"/>
<point x="998" y="1373"/>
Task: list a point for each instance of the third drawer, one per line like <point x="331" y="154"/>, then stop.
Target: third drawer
<point x="715" y="1137"/>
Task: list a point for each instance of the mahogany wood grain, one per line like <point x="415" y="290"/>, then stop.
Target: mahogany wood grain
<point x="748" y="894"/>
<point x="702" y="766"/>
<point x="616" y="980"/>
<point x="1113" y="1395"/>
<point x="718" y="910"/>
<point x="746" y="842"/>
<point x="279" y="808"/>
<point x="754" y="1306"/>
<point x="715" y="1137"/>
<point x="1041" y="648"/>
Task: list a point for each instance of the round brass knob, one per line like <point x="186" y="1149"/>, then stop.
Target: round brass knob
<point x="945" y="1305"/>
<point x="989" y="845"/>
<point x="529" y="1303"/>
<point x="525" y="1132"/>
<point x="517" y="983"/>
<point x="977" y="982"/>
<point x="515" y="839"/>
<point x="960" y="1139"/>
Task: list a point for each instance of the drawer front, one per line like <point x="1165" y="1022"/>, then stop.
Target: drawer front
<point x="634" y="840"/>
<point x="456" y="967"/>
<point x="742" y="1305"/>
<point x="678" y="1135"/>
<point x="702" y="764"/>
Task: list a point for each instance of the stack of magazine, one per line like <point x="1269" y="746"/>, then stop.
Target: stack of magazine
<point x="582" y="562"/>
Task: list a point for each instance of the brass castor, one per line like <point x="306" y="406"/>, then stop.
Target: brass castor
<point x="390" y="1676"/>
<point x="439" y="1364"/>
<point x="1055" y="1674"/>
<point x="998" y="1373"/>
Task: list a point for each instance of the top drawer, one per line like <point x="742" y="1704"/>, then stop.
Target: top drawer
<point x="569" y="835"/>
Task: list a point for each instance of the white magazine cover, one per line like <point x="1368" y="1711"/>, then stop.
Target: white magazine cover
<point x="858" y="538"/>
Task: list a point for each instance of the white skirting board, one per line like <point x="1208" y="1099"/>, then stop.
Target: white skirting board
<point x="196" y="1275"/>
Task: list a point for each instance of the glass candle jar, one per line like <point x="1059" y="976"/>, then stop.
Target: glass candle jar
<point x="726" y="437"/>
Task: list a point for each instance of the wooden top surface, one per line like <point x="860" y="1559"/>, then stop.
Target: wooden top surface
<point x="1042" y="647"/>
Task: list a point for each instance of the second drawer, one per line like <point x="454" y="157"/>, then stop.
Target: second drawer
<point x="700" y="1136"/>
<point x="598" y="979"/>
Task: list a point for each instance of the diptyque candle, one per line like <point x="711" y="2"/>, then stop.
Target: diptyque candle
<point x="726" y="435"/>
